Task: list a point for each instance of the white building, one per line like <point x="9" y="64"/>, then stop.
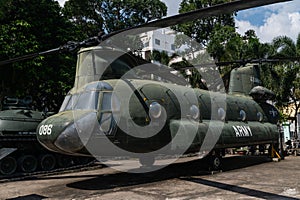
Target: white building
<point x="161" y="40"/>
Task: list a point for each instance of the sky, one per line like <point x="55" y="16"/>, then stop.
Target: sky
<point x="281" y="19"/>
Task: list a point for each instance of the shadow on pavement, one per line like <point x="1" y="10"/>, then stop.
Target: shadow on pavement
<point x="238" y="189"/>
<point x="177" y="170"/>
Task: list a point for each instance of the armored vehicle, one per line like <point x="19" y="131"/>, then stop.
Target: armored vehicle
<point x="19" y="148"/>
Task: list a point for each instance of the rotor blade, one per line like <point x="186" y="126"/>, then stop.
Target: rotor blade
<point x="162" y="23"/>
<point x="240" y="62"/>
<point x="218" y="9"/>
<point x="68" y="47"/>
<point x="30" y="56"/>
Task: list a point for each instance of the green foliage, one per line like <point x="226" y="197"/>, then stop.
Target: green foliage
<point x="30" y="26"/>
<point x="161" y="57"/>
<point x="164" y="58"/>
<point x="155" y="55"/>
<point x="283" y="77"/>
<point x="11" y="35"/>
<point x="201" y="29"/>
<point x="83" y="14"/>
<point x="120" y="14"/>
<point x="227" y="45"/>
<point x="93" y="16"/>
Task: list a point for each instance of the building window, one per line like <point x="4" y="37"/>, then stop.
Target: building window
<point x="173" y="47"/>
<point x="157" y="41"/>
<point x="146" y="44"/>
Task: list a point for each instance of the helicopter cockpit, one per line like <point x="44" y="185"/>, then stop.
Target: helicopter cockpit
<point x="91" y="107"/>
<point x="87" y="98"/>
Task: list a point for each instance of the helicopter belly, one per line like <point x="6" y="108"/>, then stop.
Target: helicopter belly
<point x="214" y="134"/>
<point x="182" y="135"/>
<point x="237" y="134"/>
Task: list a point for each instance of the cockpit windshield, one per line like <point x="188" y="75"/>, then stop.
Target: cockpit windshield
<point x="82" y="101"/>
<point x="86" y="98"/>
<point x="87" y="101"/>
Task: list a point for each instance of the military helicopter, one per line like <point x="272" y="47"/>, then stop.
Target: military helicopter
<point x="114" y="111"/>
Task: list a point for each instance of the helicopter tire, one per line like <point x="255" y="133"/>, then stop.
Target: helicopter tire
<point x="27" y="163"/>
<point x="47" y="162"/>
<point x="147" y="160"/>
<point x="215" y="163"/>
<point x="8" y="165"/>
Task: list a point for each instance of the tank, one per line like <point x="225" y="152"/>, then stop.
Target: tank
<point x="19" y="149"/>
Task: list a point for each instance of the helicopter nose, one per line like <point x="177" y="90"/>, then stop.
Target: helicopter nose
<point x="61" y="133"/>
<point x="69" y="140"/>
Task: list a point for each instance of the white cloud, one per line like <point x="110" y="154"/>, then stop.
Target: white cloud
<point x="282" y="22"/>
<point x="61" y="2"/>
<point x="173" y="6"/>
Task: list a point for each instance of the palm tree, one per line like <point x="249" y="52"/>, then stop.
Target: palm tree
<point x="287" y="72"/>
<point x="285" y="47"/>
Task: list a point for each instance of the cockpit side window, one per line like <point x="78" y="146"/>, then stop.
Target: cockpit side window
<point x="65" y="103"/>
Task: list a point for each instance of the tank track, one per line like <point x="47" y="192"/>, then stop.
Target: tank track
<point x="24" y="155"/>
<point x="58" y="171"/>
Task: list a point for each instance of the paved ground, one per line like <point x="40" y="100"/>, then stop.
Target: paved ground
<point x="243" y="178"/>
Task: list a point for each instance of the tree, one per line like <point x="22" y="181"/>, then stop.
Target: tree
<point x="201" y="29"/>
<point x="93" y="16"/>
<point x="30" y="26"/>
<point x="284" y="77"/>
<point x="10" y="35"/>
<point x="253" y="48"/>
<point x="161" y="57"/>
<point x="84" y="15"/>
<point x="226" y="45"/>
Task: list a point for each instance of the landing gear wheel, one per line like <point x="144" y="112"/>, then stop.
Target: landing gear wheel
<point x="8" y="165"/>
<point x="47" y="162"/>
<point x="27" y="163"/>
<point x="146" y="161"/>
<point x="215" y="163"/>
